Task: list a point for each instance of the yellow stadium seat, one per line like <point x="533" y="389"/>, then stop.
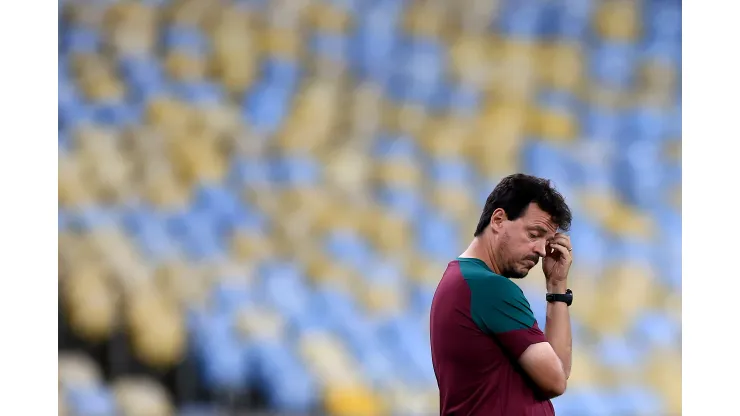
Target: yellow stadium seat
<point x="407" y="119"/>
<point x="156" y="326"/>
<point x="390" y="233"/>
<point x="313" y="119"/>
<point x="78" y="370"/>
<point x="131" y="28"/>
<point x="137" y="396"/>
<point x="493" y="145"/>
<point x="445" y="137"/>
<point x="553" y="125"/>
<point x="475" y="16"/>
<point x="407" y="400"/>
<point x="470" y="59"/>
<point x="606" y="97"/>
<point x="328" y="359"/>
<point x="657" y="76"/>
<point x="341" y="400"/>
<point x="365" y="110"/>
<point x="455" y="201"/>
<point x="514" y="78"/>
<point x="71" y="187"/>
<point x="196" y="158"/>
<point x="325" y="16"/>
<point x="398" y="173"/>
<point x="625" y="290"/>
<point x="561" y="65"/>
<point x="251" y="246"/>
<point x="235" y="52"/>
<point x="180" y="284"/>
<point x="617" y="217"/>
<point x="586" y="370"/>
<point x="348" y="171"/>
<point x="618" y="20"/>
<point x="85" y="14"/>
<point x="190" y="12"/>
<point x="90" y="302"/>
<point x="259" y="324"/>
<point x="663" y="373"/>
<point x="381" y="299"/>
<point x="161" y="188"/>
<point x="184" y="66"/>
<point x="425" y="19"/>
<point x="169" y="114"/>
<point x="281" y="43"/>
<point x="102" y="88"/>
<point x="223" y="120"/>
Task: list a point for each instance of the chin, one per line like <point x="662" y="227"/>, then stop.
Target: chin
<point x="519" y="274"/>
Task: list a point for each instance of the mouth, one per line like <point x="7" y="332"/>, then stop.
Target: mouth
<point x="530" y="263"/>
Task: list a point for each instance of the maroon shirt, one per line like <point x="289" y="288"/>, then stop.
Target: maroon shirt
<point x="480" y="324"/>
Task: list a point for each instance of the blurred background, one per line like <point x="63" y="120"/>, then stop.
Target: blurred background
<point x="257" y="198"/>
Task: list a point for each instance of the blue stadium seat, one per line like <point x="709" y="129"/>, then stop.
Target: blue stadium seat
<point x="288" y="294"/>
<point x="297" y="171"/>
<point x="228" y="296"/>
<point x="143" y="75"/>
<point x="600" y="124"/>
<point x="452" y="171"/>
<point x="281" y="72"/>
<point x="461" y="99"/>
<point x="635" y="401"/>
<point x="225" y="363"/>
<point x="348" y="247"/>
<point x="333" y="47"/>
<point x="90" y="218"/>
<point x="375" y="40"/>
<point x="589" y="239"/>
<point x="582" y="402"/>
<point x="420" y="73"/>
<point x="91" y="402"/>
<point x="408" y="203"/>
<point x="617" y="353"/>
<point x="266" y="106"/>
<point x="436" y="236"/>
<point x="116" y="114"/>
<point x="656" y="329"/>
<point x="663" y="20"/>
<point x="249" y="172"/>
<point x="288" y="385"/>
<point x="186" y="39"/>
<point x="80" y="40"/>
<point x="521" y="19"/>
<point x="201" y="93"/>
<point x="613" y="64"/>
<point x="566" y="20"/>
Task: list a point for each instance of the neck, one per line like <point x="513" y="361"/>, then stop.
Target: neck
<point x="480" y="248"/>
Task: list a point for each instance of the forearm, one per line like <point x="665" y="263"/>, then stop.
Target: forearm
<point x="557" y="329"/>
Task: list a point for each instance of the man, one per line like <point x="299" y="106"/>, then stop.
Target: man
<point x="489" y="354"/>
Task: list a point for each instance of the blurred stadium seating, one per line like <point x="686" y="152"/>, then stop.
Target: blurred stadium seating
<point x="257" y="197"/>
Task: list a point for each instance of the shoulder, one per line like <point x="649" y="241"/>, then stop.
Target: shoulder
<point x="483" y="280"/>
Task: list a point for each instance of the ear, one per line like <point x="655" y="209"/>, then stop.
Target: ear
<point x="497" y="219"/>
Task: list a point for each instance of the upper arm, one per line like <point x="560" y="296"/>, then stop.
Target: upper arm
<point x="500" y="309"/>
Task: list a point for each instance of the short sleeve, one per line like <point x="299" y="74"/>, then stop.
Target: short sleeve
<point x="500" y="309"/>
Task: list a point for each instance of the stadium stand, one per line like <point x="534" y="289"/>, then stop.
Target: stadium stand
<point x="257" y="197"/>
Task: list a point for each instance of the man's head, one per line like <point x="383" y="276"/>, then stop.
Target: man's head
<point x="520" y="217"/>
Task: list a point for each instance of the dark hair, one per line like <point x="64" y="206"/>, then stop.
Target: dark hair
<point x="514" y="194"/>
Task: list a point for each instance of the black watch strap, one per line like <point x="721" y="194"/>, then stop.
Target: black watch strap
<point x="566" y="297"/>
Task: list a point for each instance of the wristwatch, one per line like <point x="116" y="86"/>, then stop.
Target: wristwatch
<point x="566" y="297"/>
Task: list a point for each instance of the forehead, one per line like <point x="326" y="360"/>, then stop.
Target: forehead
<point x="535" y="216"/>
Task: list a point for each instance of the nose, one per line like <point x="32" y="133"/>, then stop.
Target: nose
<point x="540" y="248"/>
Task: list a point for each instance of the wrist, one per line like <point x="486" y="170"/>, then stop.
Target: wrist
<point x="557" y="287"/>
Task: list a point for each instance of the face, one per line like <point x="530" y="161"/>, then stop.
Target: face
<point x="522" y="242"/>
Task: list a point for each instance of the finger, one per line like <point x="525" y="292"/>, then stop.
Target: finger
<point x="564" y="240"/>
<point x="563" y="250"/>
